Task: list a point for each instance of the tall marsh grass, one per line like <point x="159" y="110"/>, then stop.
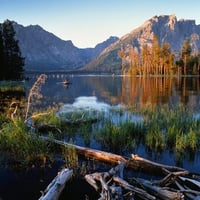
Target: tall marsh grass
<point x="163" y="127"/>
<point x="21" y="147"/>
<point x="120" y="137"/>
<point x="11" y="86"/>
<point x="173" y="128"/>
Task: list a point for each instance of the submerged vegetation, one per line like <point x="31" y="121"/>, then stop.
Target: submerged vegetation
<point x="163" y="127"/>
<point x="173" y="128"/>
<point x="117" y="129"/>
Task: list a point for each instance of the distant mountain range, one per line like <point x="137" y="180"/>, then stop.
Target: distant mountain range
<point x="166" y="27"/>
<point x="44" y="51"/>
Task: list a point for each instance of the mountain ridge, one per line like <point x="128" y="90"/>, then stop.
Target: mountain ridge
<point x="45" y="51"/>
<point x="166" y="27"/>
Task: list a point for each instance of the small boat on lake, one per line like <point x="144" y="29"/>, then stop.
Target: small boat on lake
<point x="66" y="82"/>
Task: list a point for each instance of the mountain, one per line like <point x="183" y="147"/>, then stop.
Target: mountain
<point x="166" y="27"/>
<point x="44" y="51"/>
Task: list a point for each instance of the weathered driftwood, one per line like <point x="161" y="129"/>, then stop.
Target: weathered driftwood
<point x="136" y="163"/>
<point x="161" y="192"/>
<point x="170" y="178"/>
<point x="141" y="164"/>
<point x="187" y="186"/>
<point x="113" y="186"/>
<point x="54" y="189"/>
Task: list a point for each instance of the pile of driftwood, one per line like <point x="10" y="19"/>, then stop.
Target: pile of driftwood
<point x="176" y="184"/>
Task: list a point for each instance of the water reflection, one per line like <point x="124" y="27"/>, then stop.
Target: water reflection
<point x="121" y="90"/>
<point x="86" y="104"/>
<point x="97" y="109"/>
<point x="161" y="90"/>
<point x="107" y="92"/>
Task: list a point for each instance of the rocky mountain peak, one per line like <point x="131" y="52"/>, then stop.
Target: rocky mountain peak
<point x="166" y="27"/>
<point x="45" y="51"/>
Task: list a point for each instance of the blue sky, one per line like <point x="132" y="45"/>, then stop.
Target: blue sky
<point x="88" y="22"/>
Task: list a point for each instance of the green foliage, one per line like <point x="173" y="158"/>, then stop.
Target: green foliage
<point x="159" y="59"/>
<point x="172" y="127"/>
<point x="48" y="117"/>
<point x="20" y="146"/>
<point x="70" y="155"/>
<point x="155" y="140"/>
<point x="119" y="137"/>
<point x="11" y="61"/>
<point x="11" y="86"/>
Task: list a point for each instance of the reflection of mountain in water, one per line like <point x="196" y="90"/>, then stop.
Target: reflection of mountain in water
<point x="120" y="90"/>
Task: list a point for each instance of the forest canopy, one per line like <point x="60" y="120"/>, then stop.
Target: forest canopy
<point x="11" y="60"/>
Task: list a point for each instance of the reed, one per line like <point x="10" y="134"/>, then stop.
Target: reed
<point x="70" y="155"/>
<point x="18" y="144"/>
<point x="11" y="86"/>
<point x="173" y="128"/>
<point x="119" y="137"/>
<point x="34" y="94"/>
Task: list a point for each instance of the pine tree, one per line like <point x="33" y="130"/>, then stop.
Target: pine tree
<point x="13" y="61"/>
<point x="185" y="54"/>
<point x="1" y="55"/>
<point x="155" y="55"/>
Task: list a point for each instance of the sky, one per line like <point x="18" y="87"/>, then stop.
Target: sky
<point x="89" y="22"/>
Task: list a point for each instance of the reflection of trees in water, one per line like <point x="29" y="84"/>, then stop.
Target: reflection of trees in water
<point x="145" y="90"/>
<point x="160" y="90"/>
<point x="127" y="90"/>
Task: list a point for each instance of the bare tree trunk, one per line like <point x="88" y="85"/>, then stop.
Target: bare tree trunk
<point x="135" y="162"/>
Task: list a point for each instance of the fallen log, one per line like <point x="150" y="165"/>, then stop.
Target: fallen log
<point x="161" y="192"/>
<point x="191" y="183"/>
<point x="54" y="189"/>
<point x="155" y="189"/>
<point x="135" y="162"/>
<point x="147" y="166"/>
<point x="113" y="186"/>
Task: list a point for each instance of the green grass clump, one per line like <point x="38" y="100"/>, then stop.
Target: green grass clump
<point x="20" y="146"/>
<point x="155" y="140"/>
<point x="119" y="137"/>
<point x="11" y="86"/>
<point x="174" y="128"/>
<point x="70" y="155"/>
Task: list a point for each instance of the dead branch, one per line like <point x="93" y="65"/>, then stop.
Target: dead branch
<point x="55" y="188"/>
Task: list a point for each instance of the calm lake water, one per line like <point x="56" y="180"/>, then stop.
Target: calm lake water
<point x="120" y="90"/>
<point x="104" y="93"/>
<point x="108" y="92"/>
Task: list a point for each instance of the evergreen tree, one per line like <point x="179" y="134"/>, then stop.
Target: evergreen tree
<point x="185" y="54"/>
<point x="166" y="59"/>
<point x="155" y="55"/>
<point x="1" y="54"/>
<point x="12" y="60"/>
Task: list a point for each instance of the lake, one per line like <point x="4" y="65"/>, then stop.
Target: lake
<point x="120" y="90"/>
<point x="104" y="92"/>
